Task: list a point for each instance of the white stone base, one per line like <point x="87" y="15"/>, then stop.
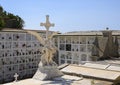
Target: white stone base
<point x="47" y="73"/>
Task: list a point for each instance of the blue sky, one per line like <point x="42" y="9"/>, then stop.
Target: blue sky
<point x="68" y="15"/>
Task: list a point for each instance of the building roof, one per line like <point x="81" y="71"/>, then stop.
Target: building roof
<point x="20" y="30"/>
<point x="90" y="33"/>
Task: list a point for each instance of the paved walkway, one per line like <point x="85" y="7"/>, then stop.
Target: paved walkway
<point x="64" y="80"/>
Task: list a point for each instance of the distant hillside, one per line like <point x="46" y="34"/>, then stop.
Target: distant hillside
<point x="9" y="20"/>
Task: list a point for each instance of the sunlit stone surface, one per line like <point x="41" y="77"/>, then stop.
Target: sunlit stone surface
<point x="47" y="68"/>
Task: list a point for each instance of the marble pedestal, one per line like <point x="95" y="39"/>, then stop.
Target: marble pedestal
<point x="47" y="73"/>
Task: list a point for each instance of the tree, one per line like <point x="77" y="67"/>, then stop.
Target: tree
<point x="9" y="20"/>
<point x="1" y="10"/>
<point x="1" y="19"/>
<point x="1" y="23"/>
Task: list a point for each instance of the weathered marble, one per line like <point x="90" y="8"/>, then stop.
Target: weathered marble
<point x="47" y="73"/>
<point x="47" y="68"/>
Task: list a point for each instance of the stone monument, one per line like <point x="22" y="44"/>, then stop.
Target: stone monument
<point x="47" y="68"/>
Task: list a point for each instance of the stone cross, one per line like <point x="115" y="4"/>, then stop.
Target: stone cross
<point x="16" y="77"/>
<point x="47" y="25"/>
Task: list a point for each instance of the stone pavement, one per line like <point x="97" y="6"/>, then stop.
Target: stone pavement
<point x="64" y="80"/>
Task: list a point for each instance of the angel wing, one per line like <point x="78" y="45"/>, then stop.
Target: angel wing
<point x="51" y="36"/>
<point x="53" y="43"/>
<point x="38" y="36"/>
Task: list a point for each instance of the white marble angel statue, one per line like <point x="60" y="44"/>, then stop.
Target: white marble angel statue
<point x="48" y="50"/>
<point x="47" y="68"/>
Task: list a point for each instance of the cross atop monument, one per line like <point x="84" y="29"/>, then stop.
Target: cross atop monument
<point x="47" y="25"/>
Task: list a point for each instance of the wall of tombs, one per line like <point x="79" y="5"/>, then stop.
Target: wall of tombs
<point x="79" y="49"/>
<point x="72" y="47"/>
<point x="19" y="53"/>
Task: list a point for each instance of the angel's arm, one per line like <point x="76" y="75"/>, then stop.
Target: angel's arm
<point x="37" y="35"/>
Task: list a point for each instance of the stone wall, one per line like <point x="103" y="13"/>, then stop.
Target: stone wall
<point x="20" y="53"/>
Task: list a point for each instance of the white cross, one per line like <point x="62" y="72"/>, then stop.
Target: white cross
<point x="47" y="25"/>
<point x="16" y="77"/>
